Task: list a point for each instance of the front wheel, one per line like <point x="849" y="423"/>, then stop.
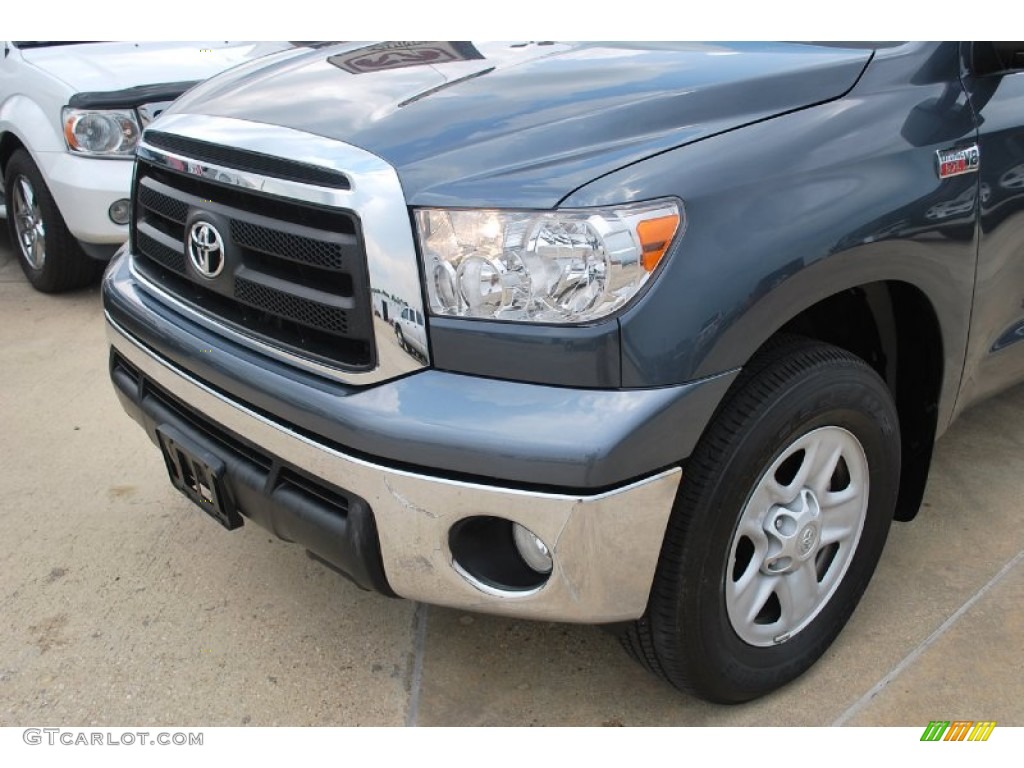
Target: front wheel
<point x="50" y="256"/>
<point x="781" y="518"/>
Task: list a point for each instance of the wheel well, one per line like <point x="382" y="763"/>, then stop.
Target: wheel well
<point x="8" y="144"/>
<point x="893" y="327"/>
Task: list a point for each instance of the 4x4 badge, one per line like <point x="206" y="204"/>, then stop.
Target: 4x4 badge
<point x="954" y="162"/>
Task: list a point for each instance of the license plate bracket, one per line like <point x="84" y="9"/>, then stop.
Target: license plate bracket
<point x="199" y="474"/>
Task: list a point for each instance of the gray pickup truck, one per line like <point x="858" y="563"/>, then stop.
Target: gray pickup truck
<point x="656" y="336"/>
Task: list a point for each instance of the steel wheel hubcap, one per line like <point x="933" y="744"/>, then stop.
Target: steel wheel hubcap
<point x="796" y="536"/>
<point x="28" y="223"/>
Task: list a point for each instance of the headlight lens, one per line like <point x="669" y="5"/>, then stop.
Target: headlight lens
<point x="102" y="133"/>
<point x="568" y="266"/>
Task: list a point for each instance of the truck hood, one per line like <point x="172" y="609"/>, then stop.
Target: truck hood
<point x="514" y="124"/>
<point x="97" y="67"/>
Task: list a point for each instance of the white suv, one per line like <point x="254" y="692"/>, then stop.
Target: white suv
<point x="411" y="332"/>
<point x="70" y="117"/>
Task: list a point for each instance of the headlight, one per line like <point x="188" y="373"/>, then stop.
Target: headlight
<point x="567" y="266"/>
<point x="103" y="133"/>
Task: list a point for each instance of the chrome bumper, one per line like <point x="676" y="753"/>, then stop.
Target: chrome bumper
<point x="605" y="547"/>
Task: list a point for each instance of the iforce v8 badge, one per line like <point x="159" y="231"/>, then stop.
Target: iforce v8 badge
<point x="954" y="162"/>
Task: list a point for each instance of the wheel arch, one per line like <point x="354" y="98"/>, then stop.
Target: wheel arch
<point x="24" y="124"/>
<point x="894" y="327"/>
<point x="9" y="144"/>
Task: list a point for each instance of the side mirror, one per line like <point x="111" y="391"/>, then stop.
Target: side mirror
<point x="997" y="58"/>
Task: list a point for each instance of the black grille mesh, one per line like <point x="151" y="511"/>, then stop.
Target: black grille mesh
<point x="301" y="310"/>
<point x="160" y="253"/>
<point x="168" y="207"/>
<point x="295" y="247"/>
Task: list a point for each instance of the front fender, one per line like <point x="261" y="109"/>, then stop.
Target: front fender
<point x="786" y="212"/>
<point x="28" y="122"/>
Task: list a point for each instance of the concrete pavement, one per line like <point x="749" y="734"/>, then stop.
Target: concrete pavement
<point x="121" y="604"/>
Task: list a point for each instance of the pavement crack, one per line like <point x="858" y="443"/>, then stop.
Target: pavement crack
<point x="419" y="643"/>
<point x="913" y="656"/>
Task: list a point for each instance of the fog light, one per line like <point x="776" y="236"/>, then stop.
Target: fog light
<point x="531" y="549"/>
<point x="497" y="556"/>
<point x="120" y="211"/>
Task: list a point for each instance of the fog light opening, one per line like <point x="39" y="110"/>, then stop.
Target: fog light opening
<point x="120" y="211"/>
<point x="498" y="555"/>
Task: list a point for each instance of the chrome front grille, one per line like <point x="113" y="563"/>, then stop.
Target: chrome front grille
<point x="294" y="275"/>
<point x="319" y="258"/>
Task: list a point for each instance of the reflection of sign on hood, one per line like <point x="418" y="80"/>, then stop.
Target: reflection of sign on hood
<point x="396" y="55"/>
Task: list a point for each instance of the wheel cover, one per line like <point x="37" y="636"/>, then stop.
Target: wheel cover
<point x="28" y="223"/>
<point x="796" y="536"/>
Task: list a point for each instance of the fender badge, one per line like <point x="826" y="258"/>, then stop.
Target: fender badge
<point x="954" y="162"/>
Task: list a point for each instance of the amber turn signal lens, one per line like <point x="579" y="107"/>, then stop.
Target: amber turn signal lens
<point x="655" y="237"/>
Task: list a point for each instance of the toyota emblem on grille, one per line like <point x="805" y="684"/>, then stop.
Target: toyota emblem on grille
<point x="206" y="249"/>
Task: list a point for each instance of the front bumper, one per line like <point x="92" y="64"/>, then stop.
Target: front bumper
<point x="84" y="189"/>
<point x="604" y="547"/>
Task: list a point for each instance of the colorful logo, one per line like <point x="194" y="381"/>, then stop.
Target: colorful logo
<point x="958" y="730"/>
<point x="954" y="162"/>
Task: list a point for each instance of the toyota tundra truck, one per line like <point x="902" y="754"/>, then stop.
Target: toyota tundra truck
<point x="693" y="318"/>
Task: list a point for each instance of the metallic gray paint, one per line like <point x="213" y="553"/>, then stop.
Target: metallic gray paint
<point x="790" y="211"/>
<point x="501" y="431"/>
<point x="533" y="121"/>
<point x="995" y="356"/>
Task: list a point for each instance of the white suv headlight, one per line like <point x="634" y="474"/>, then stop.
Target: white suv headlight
<point x="101" y="133"/>
<point x="566" y="266"/>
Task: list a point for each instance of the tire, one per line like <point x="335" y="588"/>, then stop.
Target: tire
<point x="50" y="256"/>
<point x="780" y="520"/>
<point x="401" y="338"/>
